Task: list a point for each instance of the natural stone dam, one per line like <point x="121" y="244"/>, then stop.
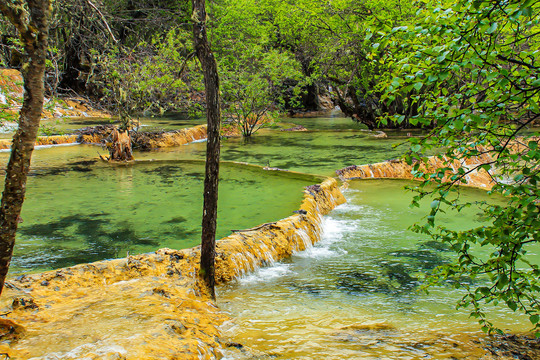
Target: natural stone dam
<point x="150" y="141"/>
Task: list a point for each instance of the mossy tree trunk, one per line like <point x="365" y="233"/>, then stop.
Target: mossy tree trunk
<point x="213" y="114"/>
<point x="32" y="21"/>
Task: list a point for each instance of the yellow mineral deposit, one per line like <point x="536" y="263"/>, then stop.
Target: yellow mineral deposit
<point x="147" y="306"/>
<point x="244" y="251"/>
<point x="179" y="137"/>
<point x="45" y="140"/>
<point x="11" y="87"/>
<point x="11" y="83"/>
<point x="167" y="139"/>
<point x="399" y="169"/>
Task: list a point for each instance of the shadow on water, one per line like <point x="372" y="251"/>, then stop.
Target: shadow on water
<point x="84" y="166"/>
<point x="394" y="279"/>
<point x="422" y="259"/>
<point x="175" y="220"/>
<point x="87" y="211"/>
<point x="97" y="239"/>
<point x="167" y="174"/>
<point x="324" y="151"/>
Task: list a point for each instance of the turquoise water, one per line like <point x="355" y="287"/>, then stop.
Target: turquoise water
<point x="313" y="152"/>
<point x="79" y="209"/>
<point x="353" y="295"/>
<point x="356" y="294"/>
<point x="85" y="211"/>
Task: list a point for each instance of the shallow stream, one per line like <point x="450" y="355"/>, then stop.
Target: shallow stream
<point x="356" y="294"/>
<point x="353" y="295"/>
<point x="79" y="209"/>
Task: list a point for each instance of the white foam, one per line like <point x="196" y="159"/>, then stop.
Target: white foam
<point x="54" y="145"/>
<point x="349" y="208"/>
<point x="335" y="229"/>
<point x="196" y="141"/>
<point x="267" y="273"/>
<point x="321" y="251"/>
<point x="38" y="147"/>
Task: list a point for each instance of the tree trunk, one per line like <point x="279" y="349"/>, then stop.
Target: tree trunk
<point x="120" y="149"/>
<point x="213" y="114"/>
<point x="34" y="34"/>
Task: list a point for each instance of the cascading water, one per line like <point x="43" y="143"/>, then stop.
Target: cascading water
<point x="355" y="294"/>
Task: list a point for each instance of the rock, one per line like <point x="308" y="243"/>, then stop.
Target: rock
<point x="268" y="168"/>
<point x="325" y="102"/>
<point x="175" y="328"/>
<point x="21" y="303"/>
<point x="234" y="344"/>
<point x="9" y="330"/>
<point x="296" y="128"/>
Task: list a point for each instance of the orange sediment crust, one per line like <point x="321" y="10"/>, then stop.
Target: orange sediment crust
<point x="166" y="139"/>
<point x="399" y="169"/>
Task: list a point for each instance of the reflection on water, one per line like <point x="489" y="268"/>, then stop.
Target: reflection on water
<point x="355" y="295"/>
<point x="317" y="152"/>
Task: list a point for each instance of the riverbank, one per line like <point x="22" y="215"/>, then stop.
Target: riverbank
<point x="11" y="97"/>
<point x="474" y="175"/>
<point x="141" y="140"/>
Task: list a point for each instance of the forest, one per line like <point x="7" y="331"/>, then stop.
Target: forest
<point x="457" y="82"/>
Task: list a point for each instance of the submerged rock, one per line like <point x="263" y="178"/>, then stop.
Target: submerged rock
<point x="424" y="259"/>
<point x="296" y="128"/>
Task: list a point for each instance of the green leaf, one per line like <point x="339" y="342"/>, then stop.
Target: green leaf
<point x="492" y="28"/>
<point x="512" y="305"/>
<point x="502" y="281"/>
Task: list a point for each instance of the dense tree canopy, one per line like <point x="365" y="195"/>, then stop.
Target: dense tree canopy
<point x="289" y="52"/>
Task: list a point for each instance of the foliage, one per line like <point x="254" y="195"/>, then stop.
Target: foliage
<point x="251" y="88"/>
<point x="79" y="27"/>
<point x="334" y="43"/>
<point x="474" y="71"/>
<point x="153" y="77"/>
<point x="255" y="77"/>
